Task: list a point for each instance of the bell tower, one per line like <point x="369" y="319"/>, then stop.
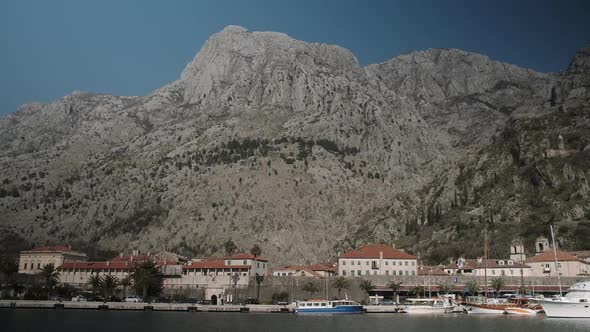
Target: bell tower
<point x="517" y="250"/>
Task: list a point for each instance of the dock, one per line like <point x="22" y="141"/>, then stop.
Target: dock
<point x="131" y="306"/>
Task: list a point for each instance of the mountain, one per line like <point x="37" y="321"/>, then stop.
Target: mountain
<point x="294" y="146"/>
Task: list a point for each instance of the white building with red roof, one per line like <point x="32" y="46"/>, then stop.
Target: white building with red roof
<point x="216" y="275"/>
<point x="568" y="265"/>
<point x="31" y="261"/>
<point x="493" y="267"/>
<point x="377" y="259"/>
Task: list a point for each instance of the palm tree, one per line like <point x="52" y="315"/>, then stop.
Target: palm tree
<point x="472" y="287"/>
<point x="310" y="287"/>
<point x="108" y="284"/>
<point x="148" y="279"/>
<point x="367" y="286"/>
<point x="50" y="275"/>
<point x="16" y="287"/>
<point x="340" y="283"/>
<point x="498" y="284"/>
<point x="394" y="286"/>
<point x="94" y="281"/>
<point x="125" y="282"/>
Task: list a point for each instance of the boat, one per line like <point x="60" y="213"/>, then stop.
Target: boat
<point x="523" y="306"/>
<point x="328" y="307"/>
<point x="485" y="305"/>
<point x="575" y="303"/>
<point x="438" y="305"/>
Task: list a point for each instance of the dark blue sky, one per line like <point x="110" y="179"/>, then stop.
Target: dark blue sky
<point x="50" y="48"/>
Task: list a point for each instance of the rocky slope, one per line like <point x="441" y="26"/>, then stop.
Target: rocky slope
<point x="269" y="140"/>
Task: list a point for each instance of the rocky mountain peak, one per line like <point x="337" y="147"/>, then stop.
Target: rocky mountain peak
<point x="234" y="62"/>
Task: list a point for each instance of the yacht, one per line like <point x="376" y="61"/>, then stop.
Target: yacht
<point x="523" y="306"/>
<point x="428" y="306"/>
<point x="575" y="304"/>
<point x="328" y="307"/>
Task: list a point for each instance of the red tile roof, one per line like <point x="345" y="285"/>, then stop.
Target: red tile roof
<point x="548" y="256"/>
<point x="431" y="270"/>
<point x="96" y="265"/>
<point x="213" y="264"/>
<point x="374" y="250"/>
<point x="322" y="267"/>
<point x="248" y="256"/>
<point x="52" y="249"/>
<point x="134" y="258"/>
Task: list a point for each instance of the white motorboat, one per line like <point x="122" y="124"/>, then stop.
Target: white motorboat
<point x="438" y="305"/>
<point x="575" y="304"/>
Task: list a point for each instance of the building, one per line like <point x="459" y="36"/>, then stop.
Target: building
<point x="568" y="265"/>
<point x="492" y="267"/>
<point x="31" y="261"/>
<point x="517" y="253"/>
<point x="314" y="270"/>
<point x="377" y="259"/>
<point x="217" y="275"/>
<point x="425" y="270"/>
<point x="78" y="273"/>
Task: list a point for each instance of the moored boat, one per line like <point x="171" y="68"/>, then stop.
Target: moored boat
<point x="484" y="305"/>
<point x="575" y="304"/>
<point x="328" y="307"/>
<point x="439" y="305"/>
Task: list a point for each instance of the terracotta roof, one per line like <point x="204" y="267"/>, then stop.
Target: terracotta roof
<point x="321" y="267"/>
<point x="96" y="265"/>
<point x="213" y="264"/>
<point x="248" y="256"/>
<point x="431" y="270"/>
<point x="548" y="256"/>
<point x="373" y="251"/>
<point x="134" y="258"/>
<point x="53" y="249"/>
<point x="581" y="254"/>
<point x="492" y="263"/>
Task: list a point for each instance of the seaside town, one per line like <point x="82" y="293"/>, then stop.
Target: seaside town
<point x="378" y="276"/>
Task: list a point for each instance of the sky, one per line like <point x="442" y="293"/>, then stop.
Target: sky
<point x="48" y="49"/>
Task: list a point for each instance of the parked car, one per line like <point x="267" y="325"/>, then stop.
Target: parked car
<point x="79" y="298"/>
<point x="133" y="299"/>
<point x="387" y="302"/>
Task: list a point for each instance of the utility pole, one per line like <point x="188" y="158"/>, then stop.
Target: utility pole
<point x="485" y="262"/>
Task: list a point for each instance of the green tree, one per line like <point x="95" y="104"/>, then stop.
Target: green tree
<point x="256" y="251"/>
<point x="444" y="288"/>
<point x="8" y="267"/>
<point x="472" y="287"/>
<point x="125" y="282"/>
<point x="311" y="288"/>
<point x="416" y="291"/>
<point x="230" y="247"/>
<point x="94" y="281"/>
<point x="367" y="286"/>
<point x="259" y="279"/>
<point x="280" y="297"/>
<point x="108" y="285"/>
<point x="16" y="287"/>
<point x="147" y="280"/>
<point x="50" y="275"/>
<point x="498" y="284"/>
<point x="340" y="283"/>
<point x="394" y="286"/>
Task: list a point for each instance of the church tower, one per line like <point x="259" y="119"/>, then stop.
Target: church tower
<point x="517" y="250"/>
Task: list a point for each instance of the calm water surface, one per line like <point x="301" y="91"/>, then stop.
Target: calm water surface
<point x="106" y="321"/>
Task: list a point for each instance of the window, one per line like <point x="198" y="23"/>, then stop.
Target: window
<point x="374" y="265"/>
<point x="401" y="272"/>
<point x="25" y="266"/>
<point x="38" y="265"/>
<point x="374" y="273"/>
<point x="367" y="272"/>
<point x="406" y="263"/>
<point x="413" y="263"/>
<point x="386" y="272"/>
<point x="343" y="262"/>
<point x="343" y="272"/>
<point x="500" y="262"/>
<point x="393" y="263"/>
<point x="510" y="262"/>
<point x="386" y="263"/>
<point x="367" y="263"/>
<point x="245" y="262"/>
<point x="358" y="262"/>
<point x="228" y="262"/>
<point x="359" y="272"/>
<point x="413" y="273"/>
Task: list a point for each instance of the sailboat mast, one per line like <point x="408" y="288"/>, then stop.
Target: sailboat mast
<point x="485" y="262"/>
<point x="555" y="256"/>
